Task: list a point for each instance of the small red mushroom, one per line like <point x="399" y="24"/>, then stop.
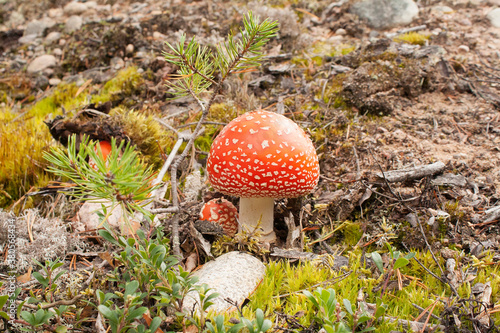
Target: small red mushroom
<point x="105" y="150"/>
<point x="222" y="212"/>
<point x="258" y="157"/>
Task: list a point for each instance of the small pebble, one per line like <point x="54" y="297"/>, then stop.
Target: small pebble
<point x="129" y="49"/>
<point x="54" y="81"/>
<point x="341" y="32"/>
<point x="52" y="37"/>
<point x="117" y="63"/>
<point x="62" y="42"/>
<point x="75" y="8"/>
<point x="57" y="52"/>
<point x="74" y="23"/>
<point x="158" y="35"/>
<point x="55" y="12"/>
<point x="463" y="49"/>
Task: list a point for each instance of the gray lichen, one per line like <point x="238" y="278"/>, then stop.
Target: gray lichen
<point x="48" y="238"/>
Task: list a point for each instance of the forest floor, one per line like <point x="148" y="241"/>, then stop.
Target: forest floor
<point x="425" y="101"/>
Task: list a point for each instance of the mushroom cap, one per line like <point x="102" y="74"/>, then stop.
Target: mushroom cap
<point x="105" y="149"/>
<point x="263" y="154"/>
<point x="222" y="212"/>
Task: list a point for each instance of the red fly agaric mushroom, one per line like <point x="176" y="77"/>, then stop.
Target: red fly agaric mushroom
<point x="105" y="149"/>
<point x="258" y="157"/>
<point x="222" y="212"/>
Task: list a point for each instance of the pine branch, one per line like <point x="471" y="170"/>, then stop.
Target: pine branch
<point x="123" y="179"/>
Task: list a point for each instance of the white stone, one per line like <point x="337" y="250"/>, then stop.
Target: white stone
<point x="54" y="81"/>
<point x="35" y="27"/>
<point x="129" y="49"/>
<point x="340" y="32"/>
<point x="75" y="8"/>
<point x="62" y="42"/>
<point x="234" y="275"/>
<point x="463" y="49"/>
<point x="91" y="4"/>
<point x="52" y="37"/>
<point x="89" y="220"/>
<point x="57" y="52"/>
<point x="55" y="12"/>
<point x="494" y="17"/>
<point x="74" y="23"/>
<point x="29" y="39"/>
<point x="15" y="19"/>
<point x="381" y="14"/>
<point x="42" y="62"/>
<point x="158" y="35"/>
<point x="443" y="9"/>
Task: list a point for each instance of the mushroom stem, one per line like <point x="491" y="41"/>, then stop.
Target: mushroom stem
<point x="254" y="209"/>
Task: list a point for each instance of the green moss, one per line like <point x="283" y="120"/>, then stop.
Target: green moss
<point x="413" y="38"/>
<point x="125" y="83"/>
<point x="22" y="142"/>
<point x="150" y="137"/>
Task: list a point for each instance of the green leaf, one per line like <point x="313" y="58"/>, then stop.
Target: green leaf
<point x="410" y="255"/>
<point x="108" y="313"/>
<point x="348" y="306"/>
<point x="377" y="259"/>
<point x="107" y="236"/>
<point x="3" y="300"/>
<point x="266" y="325"/>
<point x="136" y="313"/>
<point x="40" y="278"/>
<point x="28" y="317"/>
<point x="58" y="275"/>
<point x="61" y="329"/>
<point x="155" y="323"/>
<point x="401" y="262"/>
<point x="130" y="288"/>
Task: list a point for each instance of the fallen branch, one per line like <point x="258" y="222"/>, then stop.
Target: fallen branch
<point x="418" y="172"/>
<point x="492" y="214"/>
<point x="54" y="304"/>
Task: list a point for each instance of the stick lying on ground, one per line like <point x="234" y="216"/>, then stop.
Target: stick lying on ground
<point x="418" y="172"/>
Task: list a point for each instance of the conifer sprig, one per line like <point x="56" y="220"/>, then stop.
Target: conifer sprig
<point x="123" y="179"/>
<point x="198" y="64"/>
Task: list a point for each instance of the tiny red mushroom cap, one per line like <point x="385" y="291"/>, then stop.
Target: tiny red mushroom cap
<point x="263" y="154"/>
<point x="105" y="149"/>
<point x="222" y="212"/>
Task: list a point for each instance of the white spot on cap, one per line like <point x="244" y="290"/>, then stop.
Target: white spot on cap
<point x="265" y="144"/>
<point x="235" y="141"/>
<point x="252" y="131"/>
<point x="249" y="146"/>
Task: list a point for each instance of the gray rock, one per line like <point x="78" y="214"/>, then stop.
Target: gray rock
<point x="74" y="23"/>
<point x="35" y="27"/>
<point x="381" y="14"/>
<point x="42" y="62"/>
<point x="15" y="19"/>
<point x="233" y="276"/>
<point x="494" y="17"/>
<point x="52" y="37"/>
<point x="29" y="39"/>
<point x="41" y="82"/>
<point x="117" y="63"/>
<point x="75" y="8"/>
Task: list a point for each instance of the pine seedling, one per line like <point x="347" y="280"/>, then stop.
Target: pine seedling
<point x="122" y="179"/>
<point x="201" y="69"/>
